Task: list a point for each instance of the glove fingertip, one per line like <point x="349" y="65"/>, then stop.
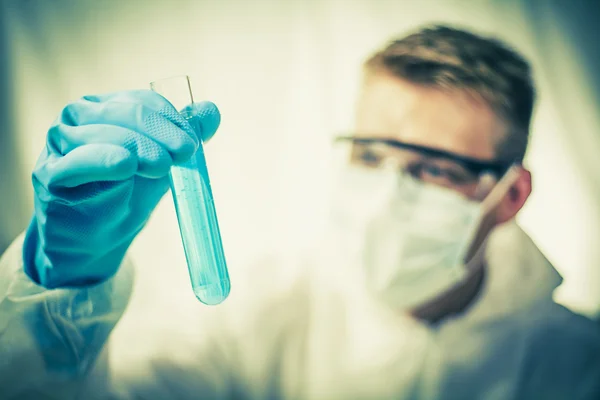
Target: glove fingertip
<point x="209" y="117"/>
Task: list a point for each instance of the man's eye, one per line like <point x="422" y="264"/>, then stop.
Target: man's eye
<point x="451" y="176"/>
<point x="432" y="170"/>
<point x="369" y="157"/>
<point x="459" y="178"/>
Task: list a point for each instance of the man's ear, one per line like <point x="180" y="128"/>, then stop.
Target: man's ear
<point x="516" y="197"/>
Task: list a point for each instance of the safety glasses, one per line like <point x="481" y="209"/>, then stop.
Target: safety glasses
<point x="462" y="174"/>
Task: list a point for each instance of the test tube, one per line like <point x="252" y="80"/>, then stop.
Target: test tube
<point x="194" y="205"/>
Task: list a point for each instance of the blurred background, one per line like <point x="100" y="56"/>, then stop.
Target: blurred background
<point x="284" y="74"/>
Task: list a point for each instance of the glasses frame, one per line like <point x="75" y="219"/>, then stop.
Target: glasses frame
<point x="476" y="166"/>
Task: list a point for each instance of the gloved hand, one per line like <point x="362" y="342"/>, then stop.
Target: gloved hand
<point x="103" y="171"/>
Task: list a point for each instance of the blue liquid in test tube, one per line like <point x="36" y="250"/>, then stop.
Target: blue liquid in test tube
<point x="196" y="214"/>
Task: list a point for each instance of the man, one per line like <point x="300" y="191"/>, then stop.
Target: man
<point x="425" y="287"/>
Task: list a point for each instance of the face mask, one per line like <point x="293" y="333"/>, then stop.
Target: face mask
<point x="414" y="241"/>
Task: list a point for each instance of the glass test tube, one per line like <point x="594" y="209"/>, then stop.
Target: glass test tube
<point x="194" y="205"/>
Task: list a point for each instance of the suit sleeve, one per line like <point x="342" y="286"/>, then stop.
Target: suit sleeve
<point x="51" y="339"/>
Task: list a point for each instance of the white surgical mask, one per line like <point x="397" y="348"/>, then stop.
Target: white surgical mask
<point x="410" y="238"/>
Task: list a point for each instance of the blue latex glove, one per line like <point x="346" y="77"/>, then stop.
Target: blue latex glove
<point x="103" y="171"/>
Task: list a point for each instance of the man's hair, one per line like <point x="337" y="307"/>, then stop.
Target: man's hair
<point x="445" y="57"/>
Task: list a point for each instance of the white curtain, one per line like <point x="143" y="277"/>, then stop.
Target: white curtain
<point x="284" y="74"/>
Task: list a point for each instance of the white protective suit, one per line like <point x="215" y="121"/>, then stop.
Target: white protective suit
<point x="317" y="336"/>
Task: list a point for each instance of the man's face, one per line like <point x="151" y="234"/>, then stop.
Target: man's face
<point x="451" y="121"/>
<point x="448" y="121"/>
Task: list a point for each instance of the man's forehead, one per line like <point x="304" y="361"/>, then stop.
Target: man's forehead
<point x="444" y="119"/>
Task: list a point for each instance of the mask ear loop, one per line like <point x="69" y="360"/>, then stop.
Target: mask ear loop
<point x="491" y="194"/>
<point x="497" y="193"/>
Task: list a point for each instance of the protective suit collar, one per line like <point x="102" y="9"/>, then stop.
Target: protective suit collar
<point x="519" y="277"/>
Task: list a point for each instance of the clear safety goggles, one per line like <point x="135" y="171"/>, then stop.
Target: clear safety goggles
<point x="474" y="178"/>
